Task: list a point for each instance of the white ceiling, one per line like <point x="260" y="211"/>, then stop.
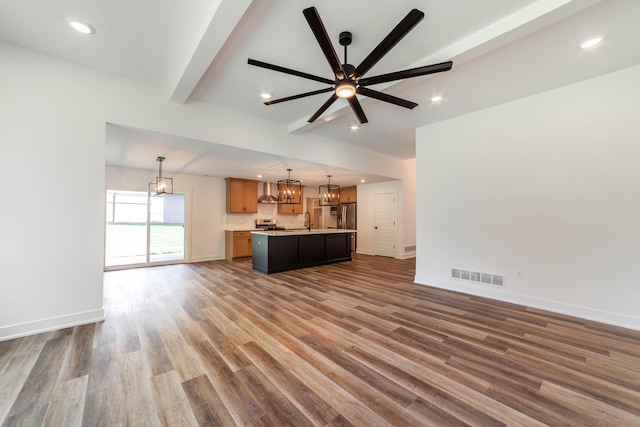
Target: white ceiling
<point x="136" y="148"/>
<point x="501" y="49"/>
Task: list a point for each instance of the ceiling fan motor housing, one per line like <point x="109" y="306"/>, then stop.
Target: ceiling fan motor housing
<point x="345" y="38"/>
<point x="348" y="70"/>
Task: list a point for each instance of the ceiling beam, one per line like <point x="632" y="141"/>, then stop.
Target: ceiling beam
<point x="217" y="26"/>
<point x="525" y="21"/>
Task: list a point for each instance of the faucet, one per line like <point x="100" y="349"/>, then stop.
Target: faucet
<point x="307" y="220"/>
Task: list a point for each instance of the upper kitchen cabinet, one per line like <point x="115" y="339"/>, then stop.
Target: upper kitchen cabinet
<point x="348" y="194"/>
<point x="242" y="196"/>
<point x="293" y="208"/>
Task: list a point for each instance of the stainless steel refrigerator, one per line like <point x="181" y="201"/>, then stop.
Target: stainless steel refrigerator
<point x="349" y="220"/>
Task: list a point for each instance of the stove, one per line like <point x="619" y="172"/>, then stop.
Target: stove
<point x="267" y="225"/>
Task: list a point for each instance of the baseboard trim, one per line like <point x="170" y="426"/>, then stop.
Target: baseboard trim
<point x="206" y="258"/>
<point x="407" y="255"/>
<point x="586" y="313"/>
<point x="51" y="324"/>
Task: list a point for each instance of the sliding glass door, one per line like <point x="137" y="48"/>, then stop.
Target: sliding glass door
<point x="166" y="228"/>
<point x="143" y="230"/>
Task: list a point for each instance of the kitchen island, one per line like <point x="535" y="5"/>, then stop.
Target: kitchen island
<point x="283" y="250"/>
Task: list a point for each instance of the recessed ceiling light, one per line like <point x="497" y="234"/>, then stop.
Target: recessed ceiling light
<point x="259" y="176"/>
<point x="265" y="95"/>
<point x="436" y="98"/>
<point x="354" y="127"/>
<point x="591" y="42"/>
<point x="81" y="26"/>
<point x="363" y="180"/>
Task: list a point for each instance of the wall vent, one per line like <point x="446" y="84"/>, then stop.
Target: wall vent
<point x="480" y="277"/>
<point x="410" y="248"/>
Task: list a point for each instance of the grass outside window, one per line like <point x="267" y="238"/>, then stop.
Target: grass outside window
<point x="129" y="239"/>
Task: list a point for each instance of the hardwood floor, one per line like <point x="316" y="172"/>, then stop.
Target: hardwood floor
<point x="354" y="343"/>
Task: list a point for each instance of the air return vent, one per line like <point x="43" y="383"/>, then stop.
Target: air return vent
<point x="411" y="248"/>
<point x="479" y="277"/>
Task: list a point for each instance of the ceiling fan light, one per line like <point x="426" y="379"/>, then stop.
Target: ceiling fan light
<point x="345" y="89"/>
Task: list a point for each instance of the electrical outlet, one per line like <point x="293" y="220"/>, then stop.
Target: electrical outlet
<point x="520" y="274"/>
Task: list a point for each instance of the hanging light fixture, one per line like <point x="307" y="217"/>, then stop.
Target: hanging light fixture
<point x="289" y="190"/>
<point x="329" y="194"/>
<point x="161" y="185"/>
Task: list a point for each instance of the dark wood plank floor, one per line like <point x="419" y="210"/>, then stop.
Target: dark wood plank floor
<point x="355" y="343"/>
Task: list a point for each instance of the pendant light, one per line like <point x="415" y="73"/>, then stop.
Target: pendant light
<point x="161" y="185"/>
<point x="329" y="194"/>
<point x="289" y="191"/>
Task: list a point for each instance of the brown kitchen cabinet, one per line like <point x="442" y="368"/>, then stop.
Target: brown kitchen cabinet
<point x="348" y="194"/>
<point x="242" y="196"/>
<point x="294" y="208"/>
<point x="238" y="244"/>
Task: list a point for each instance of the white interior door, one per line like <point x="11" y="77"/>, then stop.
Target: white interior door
<point x="384" y="221"/>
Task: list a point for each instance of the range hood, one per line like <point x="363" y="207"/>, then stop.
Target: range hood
<point x="267" y="197"/>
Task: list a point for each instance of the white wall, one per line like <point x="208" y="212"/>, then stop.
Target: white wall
<point x="53" y="117"/>
<point x="52" y="205"/>
<point x="549" y="185"/>
<point x="407" y="220"/>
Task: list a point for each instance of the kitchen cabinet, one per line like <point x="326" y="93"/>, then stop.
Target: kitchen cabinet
<point x="295" y="209"/>
<point x="242" y="196"/>
<point x="278" y="251"/>
<point x="237" y="244"/>
<point x="348" y="194"/>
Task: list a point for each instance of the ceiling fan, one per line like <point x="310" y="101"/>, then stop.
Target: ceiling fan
<point x="348" y="80"/>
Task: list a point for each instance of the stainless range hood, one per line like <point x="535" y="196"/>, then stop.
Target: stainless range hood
<point x="267" y="197"/>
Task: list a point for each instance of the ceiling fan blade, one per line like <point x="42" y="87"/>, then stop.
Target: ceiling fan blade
<point x="405" y="74"/>
<point x="289" y="71"/>
<point x="302" y="95"/>
<point x="318" y="29"/>
<point x="322" y="109"/>
<point x="387" y="98"/>
<point x="397" y="34"/>
<point x="357" y="109"/>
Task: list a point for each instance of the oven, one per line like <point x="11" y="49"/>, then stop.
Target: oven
<point x="267" y="224"/>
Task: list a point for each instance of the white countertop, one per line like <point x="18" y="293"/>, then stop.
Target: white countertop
<point x="298" y="232"/>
